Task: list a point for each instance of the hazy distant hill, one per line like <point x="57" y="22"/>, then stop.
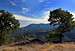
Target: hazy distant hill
<point x="36" y="28"/>
<point x="40" y="30"/>
<point x="70" y="36"/>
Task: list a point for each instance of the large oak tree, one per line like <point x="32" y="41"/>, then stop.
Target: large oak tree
<point x="64" y="19"/>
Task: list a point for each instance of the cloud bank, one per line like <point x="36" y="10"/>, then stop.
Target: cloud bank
<point x="12" y="3"/>
<point x="24" y="21"/>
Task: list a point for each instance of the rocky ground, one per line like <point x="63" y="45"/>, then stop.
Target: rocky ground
<point x="40" y="47"/>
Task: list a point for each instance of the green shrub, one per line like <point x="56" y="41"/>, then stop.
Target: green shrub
<point x="53" y="36"/>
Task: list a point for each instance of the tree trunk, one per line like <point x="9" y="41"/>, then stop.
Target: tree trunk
<point x="61" y="38"/>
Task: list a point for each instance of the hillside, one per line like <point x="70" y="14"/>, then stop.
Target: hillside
<point x="41" y="30"/>
<point x="36" y="28"/>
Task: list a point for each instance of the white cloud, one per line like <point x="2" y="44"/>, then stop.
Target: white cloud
<point x="45" y="16"/>
<point x="24" y="21"/>
<point x="73" y="15"/>
<point x="12" y="3"/>
<point x="24" y="10"/>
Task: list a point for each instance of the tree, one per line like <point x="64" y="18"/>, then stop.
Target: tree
<point x="8" y="24"/>
<point x="53" y="36"/>
<point x="64" y="19"/>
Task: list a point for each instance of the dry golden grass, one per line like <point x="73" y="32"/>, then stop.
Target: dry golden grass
<point x="40" y="47"/>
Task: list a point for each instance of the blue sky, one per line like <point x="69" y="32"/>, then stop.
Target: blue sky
<point x="35" y="8"/>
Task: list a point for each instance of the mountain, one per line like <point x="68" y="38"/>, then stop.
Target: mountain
<point x="36" y="28"/>
<point x="40" y="30"/>
<point x="69" y="36"/>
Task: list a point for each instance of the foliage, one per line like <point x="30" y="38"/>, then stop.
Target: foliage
<point x="8" y="24"/>
<point x="53" y="36"/>
<point x="24" y="37"/>
<point x="64" y="19"/>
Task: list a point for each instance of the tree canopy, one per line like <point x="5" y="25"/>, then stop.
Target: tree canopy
<point x="64" y="19"/>
<point x="8" y="23"/>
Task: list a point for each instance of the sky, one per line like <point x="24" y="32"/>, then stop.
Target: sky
<point x="35" y="11"/>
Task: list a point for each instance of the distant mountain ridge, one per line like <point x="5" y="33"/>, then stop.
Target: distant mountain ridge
<point x="40" y="30"/>
<point x="37" y="28"/>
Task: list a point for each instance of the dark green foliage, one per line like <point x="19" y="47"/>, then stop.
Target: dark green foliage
<point x="64" y="19"/>
<point x="8" y="24"/>
<point x="53" y="36"/>
<point x="24" y="37"/>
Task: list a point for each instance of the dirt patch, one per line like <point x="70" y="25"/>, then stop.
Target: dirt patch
<point x="41" y="47"/>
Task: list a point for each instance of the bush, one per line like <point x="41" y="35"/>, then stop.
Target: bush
<point x="53" y="36"/>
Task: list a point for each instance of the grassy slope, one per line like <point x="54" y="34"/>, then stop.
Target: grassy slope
<point x="39" y="47"/>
